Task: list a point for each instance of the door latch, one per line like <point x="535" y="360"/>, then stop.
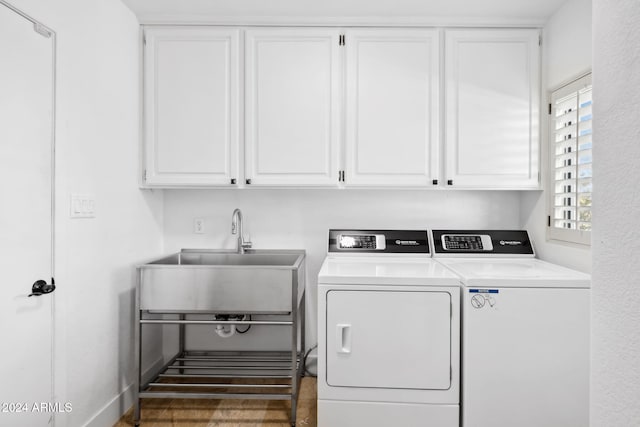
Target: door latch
<point x="41" y="287"/>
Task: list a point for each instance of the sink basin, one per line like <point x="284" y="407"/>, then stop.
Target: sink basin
<point x="221" y="259"/>
<point x="209" y="281"/>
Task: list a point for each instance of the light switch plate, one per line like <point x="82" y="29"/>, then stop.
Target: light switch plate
<point x="82" y="206"/>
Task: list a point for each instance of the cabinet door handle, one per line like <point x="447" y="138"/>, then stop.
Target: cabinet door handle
<point x="449" y="182"/>
<point x="343" y="338"/>
<point x="434" y="182"/>
<point x="233" y="180"/>
<point x="248" y="182"/>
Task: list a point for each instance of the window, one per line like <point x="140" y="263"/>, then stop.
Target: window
<point x="571" y="140"/>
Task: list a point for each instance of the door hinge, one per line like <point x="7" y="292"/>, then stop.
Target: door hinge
<point x="549" y="109"/>
<point x="341" y="41"/>
<point x="42" y="30"/>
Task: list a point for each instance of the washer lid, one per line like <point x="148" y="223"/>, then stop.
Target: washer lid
<point x="515" y="273"/>
<point x="385" y="270"/>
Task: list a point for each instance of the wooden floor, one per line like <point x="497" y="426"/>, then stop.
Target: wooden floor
<point x="226" y="413"/>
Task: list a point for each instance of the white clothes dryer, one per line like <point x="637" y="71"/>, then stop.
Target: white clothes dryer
<point x="388" y="332"/>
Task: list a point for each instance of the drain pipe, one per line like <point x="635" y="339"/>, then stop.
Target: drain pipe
<point x="220" y="330"/>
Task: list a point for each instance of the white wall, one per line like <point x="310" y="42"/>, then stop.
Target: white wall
<point x="616" y="235"/>
<point x="567" y="55"/>
<point x="300" y="219"/>
<point x="97" y="153"/>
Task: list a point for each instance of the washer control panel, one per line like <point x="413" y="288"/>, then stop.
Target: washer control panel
<point x="481" y="243"/>
<point x="467" y="242"/>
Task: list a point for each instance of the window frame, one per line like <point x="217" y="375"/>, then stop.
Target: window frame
<point x="575" y="236"/>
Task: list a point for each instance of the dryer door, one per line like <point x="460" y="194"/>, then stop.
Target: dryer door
<point x="389" y="339"/>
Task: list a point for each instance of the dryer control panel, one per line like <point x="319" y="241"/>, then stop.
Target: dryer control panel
<point x="379" y="241"/>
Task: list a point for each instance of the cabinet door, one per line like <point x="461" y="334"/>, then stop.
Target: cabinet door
<point x="392" y="107"/>
<point x="492" y="108"/>
<point x="292" y="106"/>
<point x="191" y="106"/>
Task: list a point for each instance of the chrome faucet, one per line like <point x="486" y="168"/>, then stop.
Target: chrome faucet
<point x="236" y="228"/>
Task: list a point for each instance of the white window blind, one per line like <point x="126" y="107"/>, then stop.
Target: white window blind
<point x="571" y="168"/>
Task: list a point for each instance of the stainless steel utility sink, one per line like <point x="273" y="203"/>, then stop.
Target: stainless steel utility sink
<point x="209" y="281"/>
<point x="229" y="259"/>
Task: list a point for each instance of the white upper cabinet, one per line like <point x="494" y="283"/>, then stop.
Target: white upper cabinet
<point x="392" y="104"/>
<point x="292" y="104"/>
<point x="492" y="108"/>
<point x="323" y="107"/>
<point x="191" y="106"/>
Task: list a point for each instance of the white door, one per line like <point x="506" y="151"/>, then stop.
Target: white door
<point x="492" y="108"/>
<point x="389" y="339"/>
<point x="525" y="358"/>
<point x="191" y="106"/>
<point x="292" y="108"/>
<point x="26" y="142"/>
<point x="392" y="101"/>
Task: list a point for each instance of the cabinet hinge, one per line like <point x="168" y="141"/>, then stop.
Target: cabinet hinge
<point x="549" y="109"/>
<point x="341" y="40"/>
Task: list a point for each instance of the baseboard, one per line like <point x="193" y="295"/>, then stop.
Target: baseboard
<point x="112" y="411"/>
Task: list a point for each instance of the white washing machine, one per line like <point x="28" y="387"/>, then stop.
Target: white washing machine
<point x="388" y="332"/>
<point x="525" y="332"/>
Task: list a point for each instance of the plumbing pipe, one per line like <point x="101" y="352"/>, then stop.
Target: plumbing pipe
<point x="224" y="333"/>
